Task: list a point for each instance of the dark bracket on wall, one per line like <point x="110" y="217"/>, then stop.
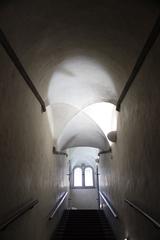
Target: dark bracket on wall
<point x="147" y="47"/>
<point x="11" y="53"/>
<point x="59" y="153"/>
<point x="103" y="152"/>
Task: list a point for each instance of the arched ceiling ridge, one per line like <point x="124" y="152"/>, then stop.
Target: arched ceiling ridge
<point x="76" y="111"/>
<point x="86" y="120"/>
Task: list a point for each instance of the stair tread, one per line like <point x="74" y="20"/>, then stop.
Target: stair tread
<point x="84" y="224"/>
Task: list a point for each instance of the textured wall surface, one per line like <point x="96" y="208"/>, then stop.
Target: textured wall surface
<point x="133" y="170"/>
<point x="28" y="169"/>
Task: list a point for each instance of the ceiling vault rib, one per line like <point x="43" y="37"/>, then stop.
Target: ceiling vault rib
<point x="11" y="53"/>
<point x="147" y="47"/>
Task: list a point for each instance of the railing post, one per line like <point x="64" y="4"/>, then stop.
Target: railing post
<point x="97" y="175"/>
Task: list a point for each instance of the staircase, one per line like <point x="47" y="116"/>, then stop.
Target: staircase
<point x="83" y="224"/>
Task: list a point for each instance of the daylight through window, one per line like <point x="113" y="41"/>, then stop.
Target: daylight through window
<point x="83" y="177"/>
<point x="78" y="177"/>
<point x="88" y="177"/>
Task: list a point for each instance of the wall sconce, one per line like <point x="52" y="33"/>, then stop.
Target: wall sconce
<point x="112" y="136"/>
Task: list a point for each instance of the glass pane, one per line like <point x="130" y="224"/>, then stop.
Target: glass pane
<point x="77" y="177"/>
<point x="88" y="177"/>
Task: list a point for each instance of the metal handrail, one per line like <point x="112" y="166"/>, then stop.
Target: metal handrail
<point x="11" y="53"/>
<point x="103" y="152"/>
<point x="108" y="204"/>
<point x="59" y="153"/>
<point x="151" y="219"/>
<point x="147" y="47"/>
<point x="55" y="209"/>
<point x="18" y="214"/>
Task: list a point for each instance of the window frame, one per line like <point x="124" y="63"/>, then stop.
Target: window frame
<point x="83" y="177"/>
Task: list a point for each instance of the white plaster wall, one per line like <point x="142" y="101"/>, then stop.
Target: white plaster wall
<point x="84" y="198"/>
<point x="28" y="169"/>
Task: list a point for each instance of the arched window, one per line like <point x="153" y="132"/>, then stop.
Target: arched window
<point x="88" y="177"/>
<point x="78" y="177"/>
<point x="83" y="177"/>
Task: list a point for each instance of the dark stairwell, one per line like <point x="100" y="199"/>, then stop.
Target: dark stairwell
<point x="83" y="224"/>
<point x="72" y="55"/>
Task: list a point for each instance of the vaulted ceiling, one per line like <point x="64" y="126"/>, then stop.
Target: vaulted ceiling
<point x="77" y="53"/>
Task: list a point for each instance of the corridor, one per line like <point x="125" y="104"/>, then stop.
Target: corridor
<point x="79" y="123"/>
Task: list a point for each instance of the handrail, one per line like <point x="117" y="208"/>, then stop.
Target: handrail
<point x="59" y="153"/>
<point x="103" y="152"/>
<point x="147" y="47"/>
<point x="151" y="219"/>
<point x="18" y="214"/>
<point x="11" y="53"/>
<point x="108" y="204"/>
<point x="55" y="209"/>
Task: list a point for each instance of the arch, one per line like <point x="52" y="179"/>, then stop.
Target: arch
<point x="81" y="81"/>
<point x="82" y="131"/>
